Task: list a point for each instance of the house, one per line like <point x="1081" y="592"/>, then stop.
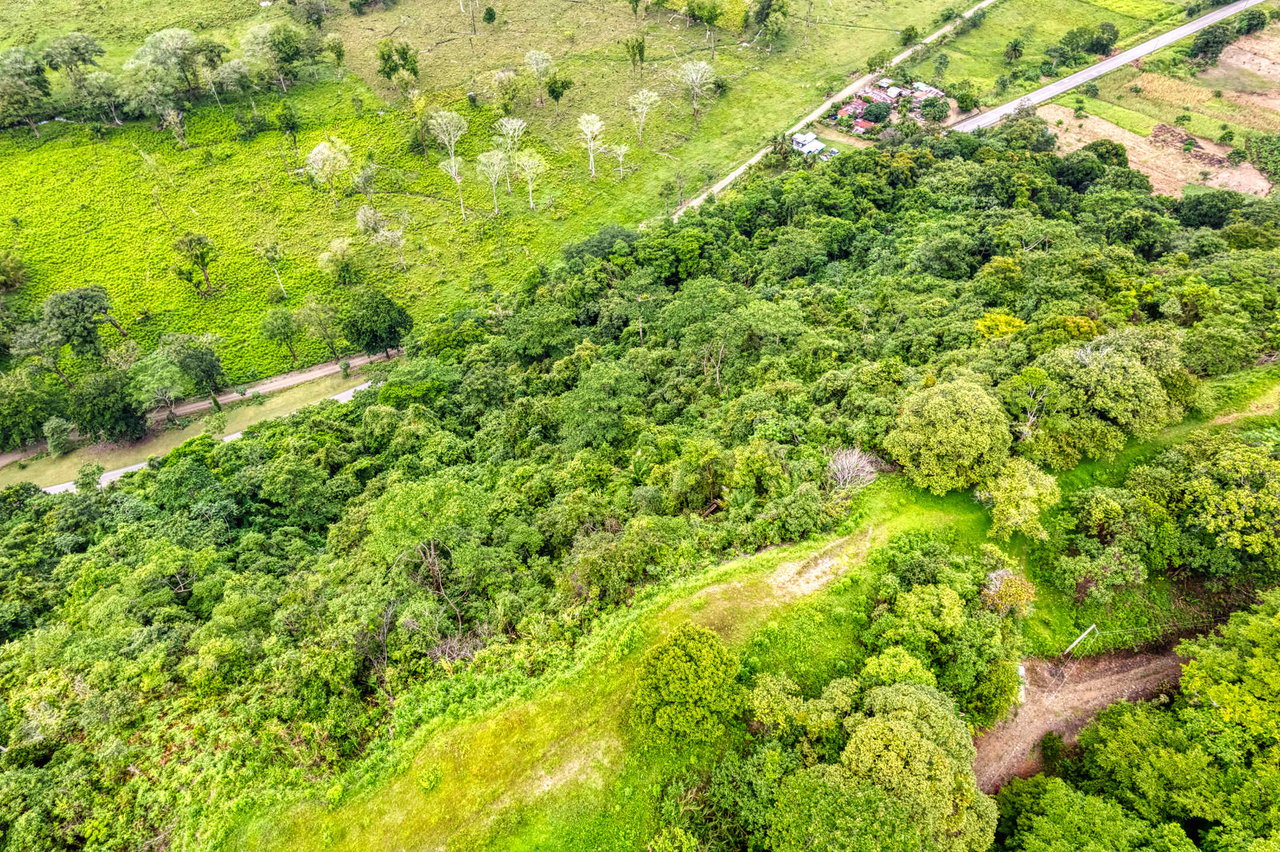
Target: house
<point x="862" y="126"/>
<point x="807" y="143"/>
<point x="894" y="92"/>
<point x="885" y="83"/>
<point x="924" y="90"/>
<point x="828" y="153"/>
<point x="853" y="108"/>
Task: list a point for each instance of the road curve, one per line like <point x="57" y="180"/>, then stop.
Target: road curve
<point x="112" y="475"/>
<point x="1066" y="84"/>
<point x="848" y="91"/>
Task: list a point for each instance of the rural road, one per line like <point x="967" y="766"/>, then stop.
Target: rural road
<point x="860" y="83"/>
<point x="342" y="396"/>
<point x="1066" y="84"/>
<point x="284" y="381"/>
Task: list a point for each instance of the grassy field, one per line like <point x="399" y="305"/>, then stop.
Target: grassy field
<point x="49" y="470"/>
<point x="978" y="56"/>
<point x="107" y="211"/>
<point x="1232" y="95"/>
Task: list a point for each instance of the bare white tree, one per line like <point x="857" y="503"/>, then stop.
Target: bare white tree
<point x="329" y="161"/>
<point x="641" y="104"/>
<point x="696" y="78"/>
<point x="392" y="238"/>
<point x="620" y="151"/>
<point x="531" y="166"/>
<point x="369" y="221"/>
<point x="493" y="166"/>
<point x="541" y="66"/>
<point x="448" y="127"/>
<point x="453" y="168"/>
<point x="590" y="131"/>
<point x="854" y="467"/>
<point x="510" y="131"/>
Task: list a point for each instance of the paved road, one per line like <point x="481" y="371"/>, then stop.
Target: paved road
<point x="846" y="92"/>
<point x="1066" y="84"/>
<point x="112" y="475"/>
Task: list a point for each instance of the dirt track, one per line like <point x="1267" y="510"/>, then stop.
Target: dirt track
<point x="1064" y="698"/>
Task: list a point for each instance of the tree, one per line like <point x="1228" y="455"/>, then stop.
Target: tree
<point x="57" y="436"/>
<point x="339" y="261"/>
<point x="557" y="86"/>
<point x="950" y="436"/>
<point x="321" y="321"/>
<point x="374" y="322"/>
<point x="1211" y="41"/>
<point x="289" y="123"/>
<point x="13" y="272"/>
<point x="447" y="127"/>
<point x="822" y="808"/>
<point x="453" y="168"/>
<point x="101" y="92"/>
<point x="541" y="66"/>
<point x="590" y="131"/>
<point x="935" y="109"/>
<point x="42" y="342"/>
<point x="70" y="54"/>
<point x="329" y="161"/>
<point x="1019" y="493"/>
<point x="24" y="88"/>
<point x="531" y="166"/>
<point x="490" y="15"/>
<point x="1013" y="50"/>
<point x="156" y="380"/>
<point x="685" y="688"/>
<point x="103" y="409"/>
<point x="635" y="48"/>
<point x="278" y="48"/>
<point x="510" y="131"/>
<point x="195" y="356"/>
<point x="620" y="151"/>
<point x="77" y="315"/>
<point x="272" y="255"/>
<point x="709" y="13"/>
<point x="199" y="253"/>
<point x="493" y="166"/>
<point x="396" y="56"/>
<point x="641" y="104"/>
<point x="1251" y="21"/>
<point x="909" y="36"/>
<point x="697" y="79"/>
<point x="282" y="327"/>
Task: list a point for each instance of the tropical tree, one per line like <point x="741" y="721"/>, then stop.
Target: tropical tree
<point x="493" y="166"/>
<point x="282" y="327"/>
<point x="541" y="66"/>
<point x="328" y="162"/>
<point x="278" y="48"/>
<point x="447" y="127"/>
<point x="531" y="166"/>
<point x="199" y="253"/>
<point x="374" y="322"/>
<point x="950" y="436"/>
<point x="24" y="87"/>
<point x="620" y="151"/>
<point x="685" y="688"/>
<point x="591" y="131"/>
<point x="1013" y="50"/>
<point x="71" y="53"/>
<point x="641" y="104"/>
<point x="321" y="321"/>
<point x="195" y="356"/>
<point x="77" y="315"/>
<point x="453" y="168"/>
<point x="1019" y="493"/>
<point x="273" y="255"/>
<point x="697" y="79"/>
<point x="510" y="131"/>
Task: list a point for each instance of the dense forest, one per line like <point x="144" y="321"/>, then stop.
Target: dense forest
<point x="242" y="620"/>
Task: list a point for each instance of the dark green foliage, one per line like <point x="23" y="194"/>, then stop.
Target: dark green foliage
<point x="103" y="409"/>
<point x="820" y="808"/>
<point x="373" y="322"/>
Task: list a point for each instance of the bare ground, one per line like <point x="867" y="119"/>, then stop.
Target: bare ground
<point x="1170" y="169"/>
<point x="1064" y="698"/>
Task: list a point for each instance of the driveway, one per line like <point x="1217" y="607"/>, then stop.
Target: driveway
<point x="1093" y="72"/>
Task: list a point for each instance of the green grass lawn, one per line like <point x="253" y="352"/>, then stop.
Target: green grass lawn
<point x="978" y="56"/>
<point x="107" y="211"/>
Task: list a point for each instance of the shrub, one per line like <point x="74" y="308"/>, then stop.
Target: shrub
<point x="686" y="687"/>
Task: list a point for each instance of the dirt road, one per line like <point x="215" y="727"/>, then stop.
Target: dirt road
<point x="1064" y="698"/>
<point x="1066" y="84"/>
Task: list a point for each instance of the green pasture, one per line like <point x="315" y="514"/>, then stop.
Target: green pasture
<point x="85" y="210"/>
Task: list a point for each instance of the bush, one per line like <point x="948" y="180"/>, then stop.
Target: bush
<point x="686" y="687"/>
<point x="57" y="434"/>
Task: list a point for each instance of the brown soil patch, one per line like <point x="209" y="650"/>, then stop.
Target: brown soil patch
<point x="1064" y="697"/>
<point x="1258" y="54"/>
<point x="1169" y="168"/>
<point x="1268" y="403"/>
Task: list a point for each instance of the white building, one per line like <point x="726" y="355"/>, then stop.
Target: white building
<point x="807" y="143"/>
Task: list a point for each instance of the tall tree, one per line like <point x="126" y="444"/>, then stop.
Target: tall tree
<point x="374" y="322"/>
<point x="24" y="88"/>
<point x="541" y="66"/>
<point x="199" y="253"/>
<point x="591" y="132"/>
<point x="321" y="321"/>
<point x="531" y="166"/>
<point x="70" y="54"/>
<point x="196" y="357"/>
<point x="452" y="166"/>
<point x="493" y="166"/>
<point x="77" y="315"/>
<point x="641" y="104"/>
<point x="103" y="408"/>
<point x="281" y="326"/>
<point x="697" y="78"/>
<point x="448" y="128"/>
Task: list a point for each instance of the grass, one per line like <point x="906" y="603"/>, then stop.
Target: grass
<point x="49" y="470"/>
<point x="978" y="55"/>
<point x="108" y="211"/>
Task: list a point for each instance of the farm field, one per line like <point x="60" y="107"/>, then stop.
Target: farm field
<point x="1237" y="97"/>
<point x="978" y="55"/>
<point x="106" y="211"/>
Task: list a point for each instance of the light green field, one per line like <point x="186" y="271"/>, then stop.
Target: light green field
<point x="978" y="55"/>
<point x="108" y="211"/>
